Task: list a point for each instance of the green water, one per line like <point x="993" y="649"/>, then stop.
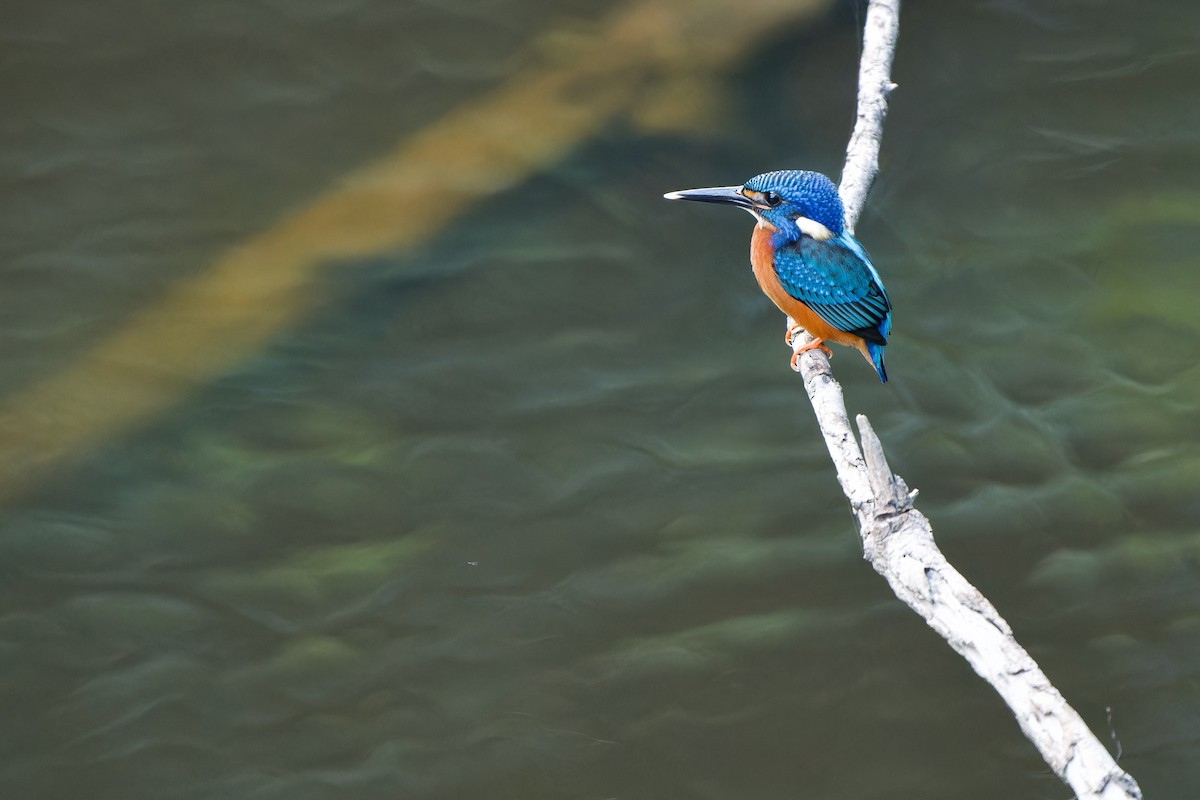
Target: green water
<point x="535" y="509"/>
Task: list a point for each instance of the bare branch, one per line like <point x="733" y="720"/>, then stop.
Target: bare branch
<point x="898" y="539"/>
<point x="874" y="85"/>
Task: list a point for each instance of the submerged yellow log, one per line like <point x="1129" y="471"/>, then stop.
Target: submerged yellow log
<point x="574" y="83"/>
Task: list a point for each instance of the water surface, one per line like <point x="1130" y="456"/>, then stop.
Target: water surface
<point x="529" y="505"/>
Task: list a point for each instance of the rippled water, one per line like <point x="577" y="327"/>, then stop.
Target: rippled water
<point x="523" y="502"/>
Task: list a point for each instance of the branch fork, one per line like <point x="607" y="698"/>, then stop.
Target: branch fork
<point x="897" y="539"/>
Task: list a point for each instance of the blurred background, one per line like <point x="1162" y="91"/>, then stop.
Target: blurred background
<point x="371" y="428"/>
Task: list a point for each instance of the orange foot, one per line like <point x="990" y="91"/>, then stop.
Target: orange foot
<point x="791" y="334"/>
<point x="815" y="344"/>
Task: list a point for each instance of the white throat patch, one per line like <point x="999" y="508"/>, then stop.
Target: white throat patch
<point x="810" y="227"/>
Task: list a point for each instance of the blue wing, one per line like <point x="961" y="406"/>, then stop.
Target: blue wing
<point x="836" y="280"/>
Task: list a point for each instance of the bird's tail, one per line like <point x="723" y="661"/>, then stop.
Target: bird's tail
<point x="875" y="354"/>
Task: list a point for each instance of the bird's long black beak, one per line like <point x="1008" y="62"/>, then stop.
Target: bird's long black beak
<point x="726" y="195"/>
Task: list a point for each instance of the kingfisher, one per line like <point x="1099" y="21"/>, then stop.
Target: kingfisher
<point x="808" y="263"/>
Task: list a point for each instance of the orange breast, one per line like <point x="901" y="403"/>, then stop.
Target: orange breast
<point x="762" y="259"/>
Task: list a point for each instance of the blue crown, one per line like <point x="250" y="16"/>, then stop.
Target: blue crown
<point x="813" y="195"/>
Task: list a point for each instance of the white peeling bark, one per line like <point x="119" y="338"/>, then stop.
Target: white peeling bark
<point x="874" y="85"/>
<point x="898" y="540"/>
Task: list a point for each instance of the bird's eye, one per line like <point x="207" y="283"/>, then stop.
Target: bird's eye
<point x="773" y="199"/>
